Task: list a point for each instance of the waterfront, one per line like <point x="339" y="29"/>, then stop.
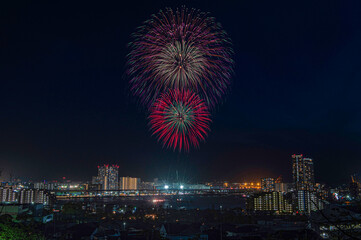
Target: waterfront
<point x="177" y="202"/>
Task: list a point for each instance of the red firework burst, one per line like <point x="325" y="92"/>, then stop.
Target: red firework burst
<point x="179" y="119"/>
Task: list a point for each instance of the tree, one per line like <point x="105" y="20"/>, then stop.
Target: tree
<point x="9" y="231"/>
<point x="5" y="218"/>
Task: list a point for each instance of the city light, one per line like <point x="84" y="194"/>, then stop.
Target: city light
<point x="214" y="120"/>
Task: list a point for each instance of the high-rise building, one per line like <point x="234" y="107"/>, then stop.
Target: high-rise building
<point x="268" y="184"/>
<point x="129" y="183"/>
<point x="7" y="194"/>
<point x="354" y="187"/>
<point x="303" y="175"/>
<point x="306" y="198"/>
<point x="281" y="187"/>
<point x="108" y="176"/>
<point x="34" y="196"/>
<point x="307" y="201"/>
<point x="144" y="185"/>
<point x="269" y="201"/>
<point x="95" y="180"/>
<point x="43" y="185"/>
<point x="322" y="191"/>
<point x="26" y="196"/>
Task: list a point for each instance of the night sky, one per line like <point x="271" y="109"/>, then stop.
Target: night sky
<point x="65" y="106"/>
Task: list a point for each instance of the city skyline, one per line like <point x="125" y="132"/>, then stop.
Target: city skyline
<point x="180" y="119"/>
<point x="301" y="173"/>
<point x="66" y="104"/>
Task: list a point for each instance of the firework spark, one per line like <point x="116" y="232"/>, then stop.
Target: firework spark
<point x="181" y="50"/>
<point x="180" y="119"/>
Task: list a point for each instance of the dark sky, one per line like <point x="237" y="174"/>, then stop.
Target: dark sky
<point x="65" y="105"/>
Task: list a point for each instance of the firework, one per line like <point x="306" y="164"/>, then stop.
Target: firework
<point x="179" y="119"/>
<point x="181" y="50"/>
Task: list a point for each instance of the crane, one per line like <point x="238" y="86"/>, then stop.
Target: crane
<point x="354" y="180"/>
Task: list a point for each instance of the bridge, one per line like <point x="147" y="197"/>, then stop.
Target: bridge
<point x="146" y="193"/>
